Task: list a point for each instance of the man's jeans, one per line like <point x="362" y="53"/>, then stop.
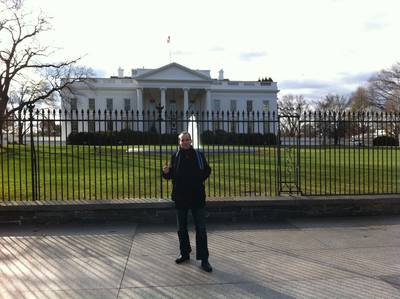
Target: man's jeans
<point x="201" y="234"/>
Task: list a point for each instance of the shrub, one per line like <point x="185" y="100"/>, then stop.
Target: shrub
<point x="123" y="137"/>
<point x="129" y="137"/>
<point x="221" y="137"/>
<point x="385" y="141"/>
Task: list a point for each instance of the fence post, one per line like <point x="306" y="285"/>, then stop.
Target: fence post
<point x="33" y="154"/>
<point x="298" y="147"/>
<point x="159" y="109"/>
<point x="279" y="169"/>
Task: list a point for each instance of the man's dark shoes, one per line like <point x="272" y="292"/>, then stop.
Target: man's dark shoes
<point x="182" y="258"/>
<point x="205" y="265"/>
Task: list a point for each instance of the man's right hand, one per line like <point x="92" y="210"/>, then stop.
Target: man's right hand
<point x="165" y="168"/>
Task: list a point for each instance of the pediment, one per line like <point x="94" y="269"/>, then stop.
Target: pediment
<point x="173" y="72"/>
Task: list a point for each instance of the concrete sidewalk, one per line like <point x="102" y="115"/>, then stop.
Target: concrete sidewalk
<point x="357" y="257"/>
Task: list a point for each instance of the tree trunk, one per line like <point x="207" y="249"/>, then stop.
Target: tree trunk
<point x="3" y="106"/>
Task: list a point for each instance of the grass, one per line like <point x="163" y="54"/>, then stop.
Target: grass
<point x="88" y="172"/>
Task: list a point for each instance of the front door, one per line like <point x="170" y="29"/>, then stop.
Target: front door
<point x="172" y="119"/>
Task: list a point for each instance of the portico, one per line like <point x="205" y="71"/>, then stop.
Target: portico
<point x="175" y="88"/>
<point x="173" y="99"/>
<point x="173" y="103"/>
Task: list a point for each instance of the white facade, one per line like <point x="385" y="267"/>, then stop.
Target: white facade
<point x="174" y="87"/>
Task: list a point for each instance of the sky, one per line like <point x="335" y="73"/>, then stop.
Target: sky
<point x="309" y="47"/>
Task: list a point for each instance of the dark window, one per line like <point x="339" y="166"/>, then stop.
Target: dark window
<point x="92" y="104"/>
<point x="110" y="104"/>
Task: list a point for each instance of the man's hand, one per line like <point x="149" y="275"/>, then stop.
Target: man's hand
<point x="165" y="168"/>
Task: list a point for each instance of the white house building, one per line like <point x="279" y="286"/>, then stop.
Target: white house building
<point x="138" y="97"/>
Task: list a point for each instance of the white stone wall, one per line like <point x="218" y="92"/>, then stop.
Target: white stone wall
<point x="101" y="97"/>
<point x="242" y="98"/>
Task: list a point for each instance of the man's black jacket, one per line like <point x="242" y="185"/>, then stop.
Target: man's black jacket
<point x="188" y="170"/>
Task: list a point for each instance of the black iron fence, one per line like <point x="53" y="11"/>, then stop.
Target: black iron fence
<point x="82" y="155"/>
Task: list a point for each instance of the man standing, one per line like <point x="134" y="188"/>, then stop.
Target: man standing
<point x="188" y="170"/>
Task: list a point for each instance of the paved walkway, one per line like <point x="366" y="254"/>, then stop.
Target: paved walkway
<point x="355" y="257"/>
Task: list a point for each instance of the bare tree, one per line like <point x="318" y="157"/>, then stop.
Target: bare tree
<point x="25" y="64"/>
<point x="330" y="122"/>
<point x="333" y="103"/>
<point x="291" y="109"/>
<point x="292" y="104"/>
<point x="12" y="3"/>
<point x="385" y="88"/>
<point x="361" y="100"/>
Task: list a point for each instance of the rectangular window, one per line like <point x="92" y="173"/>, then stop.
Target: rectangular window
<point x="233" y="105"/>
<point x="92" y="108"/>
<point x="92" y="104"/>
<point x="91" y="126"/>
<point x="192" y="105"/>
<point x="110" y="125"/>
<point x="171" y="116"/>
<point x="126" y="124"/>
<point x="74" y="104"/>
<point x="173" y="106"/>
<point x="250" y="127"/>
<point x="216" y="105"/>
<point x="74" y="126"/>
<point x="110" y="107"/>
<point x="74" y="115"/>
<point x="110" y="104"/>
<point x="127" y="104"/>
<point x="250" y="124"/>
<point x="232" y="116"/>
<point x="234" y="125"/>
<point x="266" y="126"/>
<point x="152" y="106"/>
<point x="151" y="116"/>
<point x="216" y="108"/>
<point x="249" y="105"/>
<point x="266" y="106"/>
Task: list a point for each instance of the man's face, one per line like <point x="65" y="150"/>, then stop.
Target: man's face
<point x="185" y="141"/>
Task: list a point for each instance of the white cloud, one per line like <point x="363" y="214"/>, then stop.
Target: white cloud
<point x="247" y="56"/>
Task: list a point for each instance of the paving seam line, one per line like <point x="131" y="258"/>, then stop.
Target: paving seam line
<point x="126" y="263"/>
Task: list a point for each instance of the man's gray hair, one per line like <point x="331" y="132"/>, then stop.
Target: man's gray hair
<point x="184" y="133"/>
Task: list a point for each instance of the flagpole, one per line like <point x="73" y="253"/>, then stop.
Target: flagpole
<point x="169" y="45"/>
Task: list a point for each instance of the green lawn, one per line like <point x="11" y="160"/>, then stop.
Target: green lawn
<point x="350" y="171"/>
<point x="88" y="172"/>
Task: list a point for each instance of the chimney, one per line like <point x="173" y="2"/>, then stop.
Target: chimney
<point x="221" y="74"/>
<point x="120" y="72"/>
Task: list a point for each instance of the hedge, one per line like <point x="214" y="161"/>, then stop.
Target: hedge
<point x="385" y="141"/>
<point x="224" y="138"/>
<point x="123" y="137"/>
<point x="129" y="137"/>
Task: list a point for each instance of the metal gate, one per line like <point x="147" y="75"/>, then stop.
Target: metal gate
<point x="288" y="154"/>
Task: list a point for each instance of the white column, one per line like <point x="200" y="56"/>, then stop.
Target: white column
<point x="185" y="108"/>
<point x="139" y="92"/>
<point x="185" y="100"/>
<point x="208" y="110"/>
<point x="208" y="100"/>
<point x="162" y="103"/>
